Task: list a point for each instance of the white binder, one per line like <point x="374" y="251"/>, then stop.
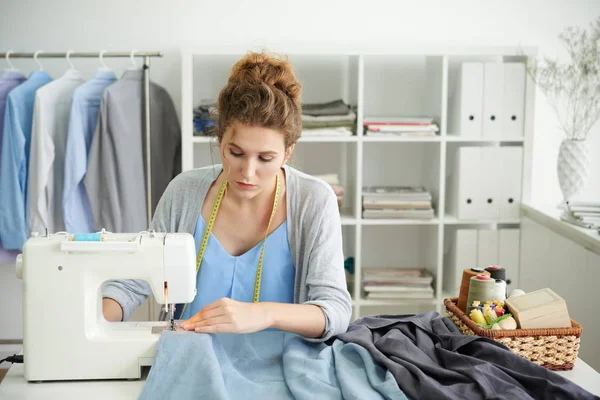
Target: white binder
<point x="490" y="173"/>
<point x="508" y="255"/>
<point x="493" y="90"/>
<point x="514" y="100"/>
<point x="469" y="195"/>
<point x="487" y="248"/>
<point x="467" y="103"/>
<point x="509" y="160"/>
<point x="463" y="254"/>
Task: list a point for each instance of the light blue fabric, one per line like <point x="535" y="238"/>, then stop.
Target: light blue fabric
<point x="8" y="81"/>
<point x="264" y="365"/>
<point x="14" y="161"/>
<point x="82" y="125"/>
<point x="223" y="275"/>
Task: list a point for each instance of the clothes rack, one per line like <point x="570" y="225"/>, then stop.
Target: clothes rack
<point x="146" y="55"/>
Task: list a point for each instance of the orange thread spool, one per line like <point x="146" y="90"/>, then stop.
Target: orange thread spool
<point x="463" y="295"/>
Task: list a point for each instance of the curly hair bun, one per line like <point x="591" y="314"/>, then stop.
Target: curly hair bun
<point x="270" y="69"/>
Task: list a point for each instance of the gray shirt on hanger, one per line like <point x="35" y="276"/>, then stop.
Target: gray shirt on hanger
<point x="115" y="177"/>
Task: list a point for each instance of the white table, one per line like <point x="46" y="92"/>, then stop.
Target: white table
<point x="15" y="387"/>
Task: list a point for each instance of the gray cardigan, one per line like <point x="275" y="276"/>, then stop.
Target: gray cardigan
<point x="314" y="234"/>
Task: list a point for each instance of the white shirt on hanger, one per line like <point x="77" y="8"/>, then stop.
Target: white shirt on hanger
<point x="48" y="147"/>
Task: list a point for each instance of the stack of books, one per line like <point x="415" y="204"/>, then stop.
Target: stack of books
<point x="397" y="283"/>
<point x="401" y="126"/>
<point x="583" y="214"/>
<point x="412" y="202"/>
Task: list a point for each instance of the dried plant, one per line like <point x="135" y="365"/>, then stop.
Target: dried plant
<point x="573" y="89"/>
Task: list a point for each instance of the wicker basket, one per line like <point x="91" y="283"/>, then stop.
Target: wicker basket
<point x="555" y="349"/>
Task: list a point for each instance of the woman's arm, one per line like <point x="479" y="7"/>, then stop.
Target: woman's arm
<point x="307" y="320"/>
<point x="231" y="316"/>
<point x="112" y="310"/>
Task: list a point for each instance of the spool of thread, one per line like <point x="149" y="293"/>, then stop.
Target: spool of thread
<point x="500" y="292"/>
<point x="463" y="294"/>
<point x="482" y="288"/>
<point x="88" y="237"/>
<point x="497" y="272"/>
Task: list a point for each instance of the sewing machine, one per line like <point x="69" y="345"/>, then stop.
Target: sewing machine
<point x="65" y="335"/>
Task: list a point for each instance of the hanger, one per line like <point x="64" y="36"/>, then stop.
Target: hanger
<point x="68" y="57"/>
<point x="11" y="67"/>
<point x="132" y="58"/>
<point x="35" y="58"/>
<point x="103" y="67"/>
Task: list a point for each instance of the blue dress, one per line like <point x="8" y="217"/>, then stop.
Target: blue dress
<point x="224" y="275"/>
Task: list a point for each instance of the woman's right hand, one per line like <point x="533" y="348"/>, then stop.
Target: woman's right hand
<point x="111" y="310"/>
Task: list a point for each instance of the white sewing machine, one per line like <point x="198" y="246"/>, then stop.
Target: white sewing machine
<point x="65" y="335"/>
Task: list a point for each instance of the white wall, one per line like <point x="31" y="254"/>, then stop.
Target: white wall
<point x="59" y="25"/>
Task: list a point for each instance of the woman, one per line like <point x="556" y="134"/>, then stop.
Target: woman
<point x="274" y="256"/>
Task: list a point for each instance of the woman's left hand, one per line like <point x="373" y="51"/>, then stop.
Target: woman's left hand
<point x="229" y="316"/>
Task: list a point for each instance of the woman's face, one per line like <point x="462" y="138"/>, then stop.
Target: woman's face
<point x="252" y="157"/>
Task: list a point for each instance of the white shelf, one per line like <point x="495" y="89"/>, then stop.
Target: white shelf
<point x="381" y="139"/>
<point x="378" y="81"/>
<point x="204" y="139"/>
<point x="348" y="220"/>
<point x="305" y="139"/>
<point x="461" y="139"/>
<point x="384" y="139"/>
<point x="328" y="139"/>
<point x="397" y="302"/>
<point x="452" y="220"/>
<point x="398" y="221"/>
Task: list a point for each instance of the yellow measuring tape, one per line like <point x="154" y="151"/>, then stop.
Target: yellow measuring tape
<point x="209" y="227"/>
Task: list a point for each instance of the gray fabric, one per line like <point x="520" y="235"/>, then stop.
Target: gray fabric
<point x="431" y="359"/>
<point x="336" y="107"/>
<point x="115" y="177"/>
<point x="264" y="365"/>
<point x="314" y="234"/>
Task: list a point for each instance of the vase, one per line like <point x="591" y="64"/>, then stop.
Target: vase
<point x="573" y="167"/>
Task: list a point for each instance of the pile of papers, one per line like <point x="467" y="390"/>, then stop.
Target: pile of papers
<point x="412" y="202"/>
<point x="397" y="283"/>
<point x="583" y="214"/>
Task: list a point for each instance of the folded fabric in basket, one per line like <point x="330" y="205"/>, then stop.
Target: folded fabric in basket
<point x="263" y="365"/>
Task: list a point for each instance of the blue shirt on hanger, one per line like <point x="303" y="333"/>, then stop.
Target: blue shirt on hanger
<point x="14" y="162"/>
<point x="82" y="125"/>
<point x="8" y="81"/>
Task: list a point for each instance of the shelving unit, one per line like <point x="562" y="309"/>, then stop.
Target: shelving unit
<point x="391" y="82"/>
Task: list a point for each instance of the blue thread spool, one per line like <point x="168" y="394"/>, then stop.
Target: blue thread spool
<point x="88" y="237"/>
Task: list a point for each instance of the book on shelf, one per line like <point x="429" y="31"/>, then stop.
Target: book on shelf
<point x="396" y="192"/>
<point x="377" y="133"/>
<point x="396" y="205"/>
<point x="401" y="126"/>
<point x="410" y="121"/>
<point x="397" y="202"/>
<point x="399" y="214"/>
<point x="584" y="219"/>
<point x="399" y="296"/>
<point x="404" y="288"/>
<point x="397" y="283"/>
<point x="397" y="274"/>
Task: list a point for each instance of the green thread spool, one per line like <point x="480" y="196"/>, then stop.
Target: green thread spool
<point x="481" y="288"/>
